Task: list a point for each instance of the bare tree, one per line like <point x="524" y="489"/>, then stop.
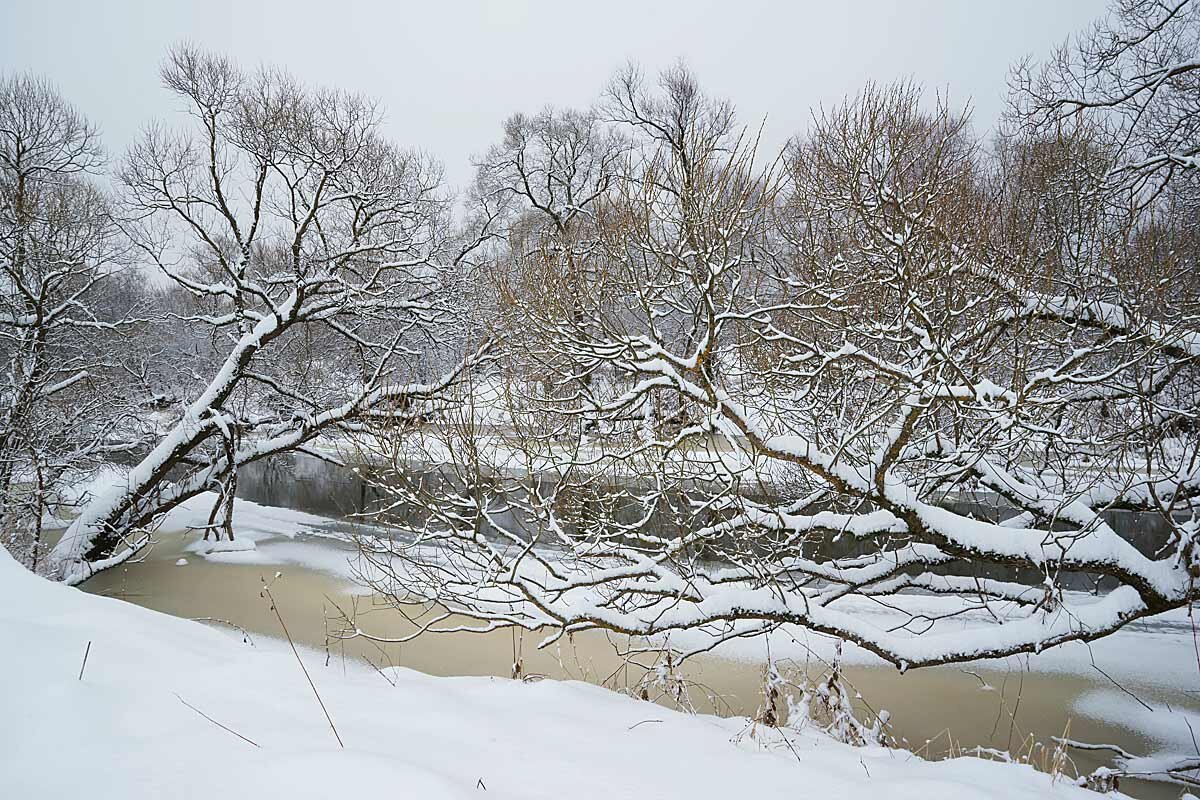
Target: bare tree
<point x="1135" y="76"/>
<point x="286" y="215"/>
<point x="61" y="409"/>
<point x="549" y="177"/>
<point x="895" y="385"/>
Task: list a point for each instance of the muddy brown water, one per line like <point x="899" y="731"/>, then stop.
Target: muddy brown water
<point x="932" y="711"/>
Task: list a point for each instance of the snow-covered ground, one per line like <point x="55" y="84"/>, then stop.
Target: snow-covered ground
<point x="171" y="708"/>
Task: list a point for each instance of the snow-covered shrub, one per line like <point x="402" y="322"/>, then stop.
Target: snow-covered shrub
<point x="824" y="702"/>
<point x="828" y="704"/>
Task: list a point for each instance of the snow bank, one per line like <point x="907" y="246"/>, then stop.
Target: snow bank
<point x="145" y="721"/>
<point x="204" y="547"/>
<point x="239" y="551"/>
<point x="252" y="521"/>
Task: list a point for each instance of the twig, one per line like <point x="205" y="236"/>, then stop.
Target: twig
<point x="278" y="616"/>
<point x="245" y="633"/>
<point x="214" y="722"/>
<point x="983" y="684"/>
<point x="1112" y="748"/>
<point x="83" y="666"/>
<point x="383" y="653"/>
<point x="1113" y="681"/>
<point x="783" y="735"/>
<point x="1016" y="707"/>
<point x="643" y="722"/>
<point x="1195" y="635"/>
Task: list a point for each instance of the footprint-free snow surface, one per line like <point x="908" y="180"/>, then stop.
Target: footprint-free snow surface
<point x="171" y="708"/>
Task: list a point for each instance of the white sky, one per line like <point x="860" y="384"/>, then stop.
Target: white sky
<point x="448" y="73"/>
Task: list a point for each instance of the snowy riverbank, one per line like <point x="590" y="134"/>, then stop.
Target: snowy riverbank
<point x="143" y="722"/>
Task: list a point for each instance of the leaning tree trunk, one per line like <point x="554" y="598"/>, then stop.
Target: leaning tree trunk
<point x="92" y="541"/>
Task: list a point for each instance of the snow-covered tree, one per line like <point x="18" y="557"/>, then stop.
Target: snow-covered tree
<point x="899" y="391"/>
<point x="1134" y="76"/>
<point x="308" y="242"/>
<point x="547" y="178"/>
<point x="62" y="310"/>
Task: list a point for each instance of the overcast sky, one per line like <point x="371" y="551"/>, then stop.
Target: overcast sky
<point x="448" y="73"/>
